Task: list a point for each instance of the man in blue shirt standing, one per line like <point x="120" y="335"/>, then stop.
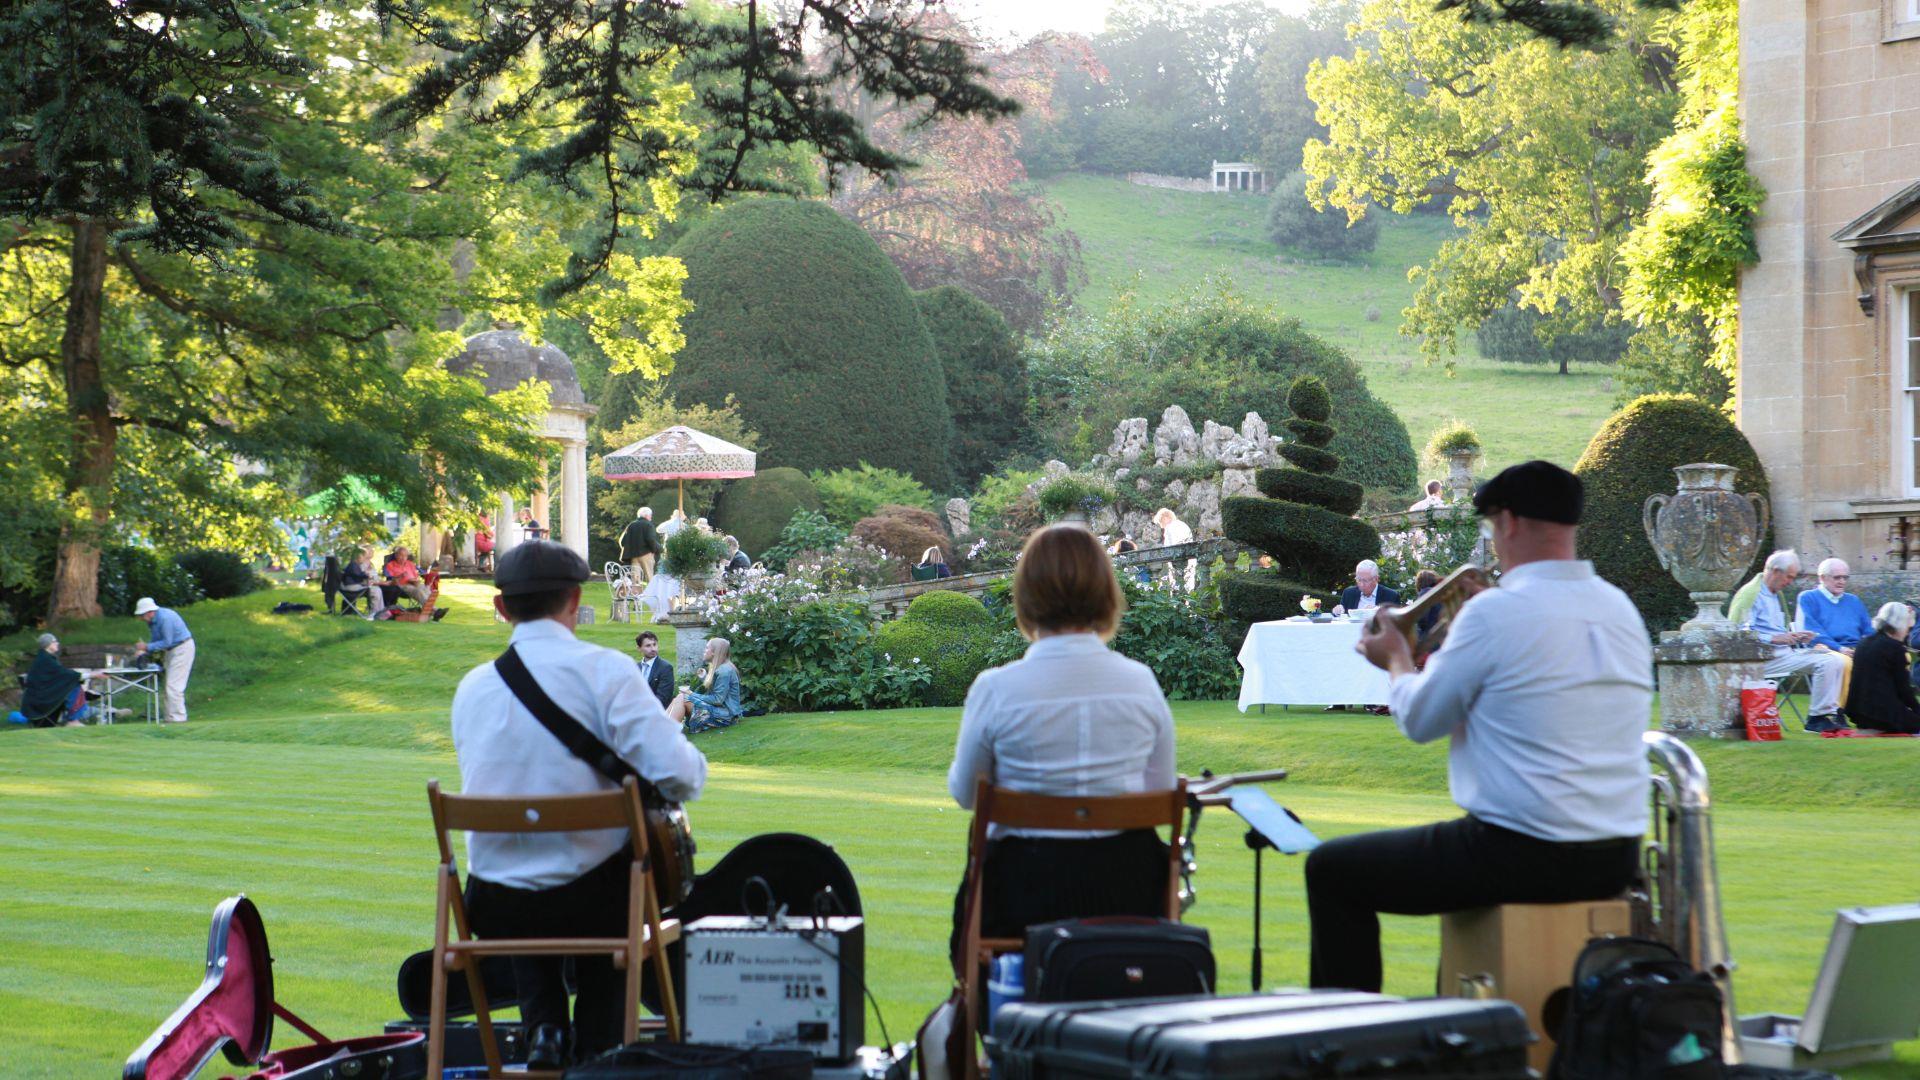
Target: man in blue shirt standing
<point x="168" y="635"/>
<point x="1837" y="618"/>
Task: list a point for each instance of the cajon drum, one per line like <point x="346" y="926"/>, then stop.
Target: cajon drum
<point x="1523" y="953"/>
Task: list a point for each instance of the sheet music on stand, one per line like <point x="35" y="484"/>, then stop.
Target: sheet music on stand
<point x="1269" y="825"/>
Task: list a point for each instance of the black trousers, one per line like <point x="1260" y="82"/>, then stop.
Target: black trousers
<point x="591" y="905"/>
<point x="1034" y="880"/>
<point x="1450" y="866"/>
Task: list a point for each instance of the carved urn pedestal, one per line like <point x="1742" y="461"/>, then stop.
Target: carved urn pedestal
<point x="1706" y="536"/>
<point x="691" y="629"/>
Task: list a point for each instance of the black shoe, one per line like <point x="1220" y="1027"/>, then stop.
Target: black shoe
<point x="547" y="1050"/>
<point x="1824" y="722"/>
<point x="439" y="613"/>
<point x="1334" y="708"/>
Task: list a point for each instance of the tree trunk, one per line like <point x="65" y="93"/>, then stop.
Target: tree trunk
<point x="89" y="489"/>
<point x="1563" y="366"/>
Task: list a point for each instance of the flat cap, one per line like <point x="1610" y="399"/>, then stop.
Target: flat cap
<point x="1534" y="489"/>
<point x="539" y="566"/>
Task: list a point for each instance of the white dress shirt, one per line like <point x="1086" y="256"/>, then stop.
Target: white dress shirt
<point x="503" y="750"/>
<point x="1071" y="717"/>
<point x="1545" y="686"/>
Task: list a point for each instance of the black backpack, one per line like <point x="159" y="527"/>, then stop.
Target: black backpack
<point x="1636" y="1011"/>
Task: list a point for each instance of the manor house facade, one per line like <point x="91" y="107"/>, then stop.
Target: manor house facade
<point x="1830" y="317"/>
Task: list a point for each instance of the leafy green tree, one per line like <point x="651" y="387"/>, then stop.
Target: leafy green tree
<point x="1433" y="107"/>
<point x="1512" y="334"/>
<point x="183" y="285"/>
<point x="1684" y="258"/>
<point x="986" y="379"/>
<point x="1288" y="55"/>
<point x="848" y="495"/>
<point x="1294" y="221"/>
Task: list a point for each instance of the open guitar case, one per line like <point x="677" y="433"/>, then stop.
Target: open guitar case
<point x="233" y="1011"/>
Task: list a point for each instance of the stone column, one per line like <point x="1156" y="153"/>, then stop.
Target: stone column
<point x="573" y="495"/>
<point x="468" y="555"/>
<point x="541" y="506"/>
<point x="506" y="528"/>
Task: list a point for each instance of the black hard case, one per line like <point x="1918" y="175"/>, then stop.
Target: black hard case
<point x="1265" y="1036"/>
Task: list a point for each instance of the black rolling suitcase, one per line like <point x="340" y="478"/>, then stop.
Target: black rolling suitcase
<point x="1264" y="1036"/>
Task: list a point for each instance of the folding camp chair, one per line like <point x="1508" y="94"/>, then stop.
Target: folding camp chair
<point x="1019" y="810"/>
<point x="456" y="949"/>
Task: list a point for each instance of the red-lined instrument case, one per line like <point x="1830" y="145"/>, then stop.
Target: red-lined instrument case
<point x="233" y="1011"/>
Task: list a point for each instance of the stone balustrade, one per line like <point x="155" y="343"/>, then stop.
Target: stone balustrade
<point x="890" y="602"/>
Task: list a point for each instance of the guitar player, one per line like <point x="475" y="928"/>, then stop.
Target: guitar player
<point x="560" y="884"/>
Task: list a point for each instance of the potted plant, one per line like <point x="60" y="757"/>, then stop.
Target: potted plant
<point x="1075" y="499"/>
<point x="691" y="555"/>
<point x="1456" y="444"/>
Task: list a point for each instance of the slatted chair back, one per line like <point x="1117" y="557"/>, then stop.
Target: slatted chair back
<point x="456" y="949"/>
<point x="1022" y="810"/>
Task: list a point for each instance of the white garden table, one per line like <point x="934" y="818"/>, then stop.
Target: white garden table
<point x="1289" y="662"/>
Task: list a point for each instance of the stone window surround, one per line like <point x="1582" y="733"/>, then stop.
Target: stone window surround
<point x="1899" y="20"/>
<point x="1903" y="341"/>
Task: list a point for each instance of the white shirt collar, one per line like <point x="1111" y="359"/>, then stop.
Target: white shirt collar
<point x="539" y="630"/>
<point x="1066" y="645"/>
<point x="1549" y="570"/>
<point x="1831" y="598"/>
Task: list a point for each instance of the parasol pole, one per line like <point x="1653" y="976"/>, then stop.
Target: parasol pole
<point x="682" y="483"/>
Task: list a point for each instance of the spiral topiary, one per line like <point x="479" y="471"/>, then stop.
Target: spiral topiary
<point x="1304" y="521"/>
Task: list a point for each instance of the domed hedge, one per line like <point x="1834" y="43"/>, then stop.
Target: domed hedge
<point x="1305" y="523"/>
<point x="948" y="630"/>
<point x="755" y="509"/>
<point x="799" y="316"/>
<point x="1631" y="458"/>
<point x="986" y="378"/>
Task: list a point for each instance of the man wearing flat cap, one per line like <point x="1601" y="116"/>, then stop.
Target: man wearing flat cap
<point x="1543" y="687"/>
<point x="560" y="884"/>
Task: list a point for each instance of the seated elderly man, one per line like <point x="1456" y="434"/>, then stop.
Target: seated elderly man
<point x="1794" y="651"/>
<point x="54" y="693"/>
<point x="1366" y="592"/>
<point x="1837" y="618"/>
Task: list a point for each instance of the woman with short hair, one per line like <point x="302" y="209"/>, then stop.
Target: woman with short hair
<point x="715" y="698"/>
<point x="1072" y="718"/>
<point x="53" y="692"/>
<point x="1882" y="697"/>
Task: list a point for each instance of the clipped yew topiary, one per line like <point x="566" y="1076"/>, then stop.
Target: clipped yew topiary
<point x="1632" y="457"/>
<point x="949" y="631"/>
<point x="986" y="378"/>
<point x="1305" y="523"/>
<point x="802" y="319"/>
<point x="756" y="508"/>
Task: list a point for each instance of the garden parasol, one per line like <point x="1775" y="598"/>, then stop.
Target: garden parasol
<point x="679" y="453"/>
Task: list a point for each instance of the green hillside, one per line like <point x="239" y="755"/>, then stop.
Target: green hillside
<point x="1158" y="244"/>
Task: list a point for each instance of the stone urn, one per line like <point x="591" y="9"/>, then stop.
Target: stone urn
<point x="1706" y="536"/>
<point x="1459" y="483"/>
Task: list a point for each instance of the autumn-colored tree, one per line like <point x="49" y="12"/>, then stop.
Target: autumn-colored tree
<point x="966" y="216"/>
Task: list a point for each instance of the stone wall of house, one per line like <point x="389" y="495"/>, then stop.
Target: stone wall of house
<point x="1830" y="99"/>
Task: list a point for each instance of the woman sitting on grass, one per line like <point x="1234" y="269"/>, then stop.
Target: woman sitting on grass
<point x="715" y="696"/>
<point x="1071" y="717"/>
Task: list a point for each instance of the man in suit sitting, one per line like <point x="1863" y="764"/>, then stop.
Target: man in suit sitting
<point x="1366" y="593"/>
<point x="656" y="672"/>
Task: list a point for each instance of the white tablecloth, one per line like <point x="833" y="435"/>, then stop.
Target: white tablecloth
<point x="659" y="594"/>
<point x="1304" y="663"/>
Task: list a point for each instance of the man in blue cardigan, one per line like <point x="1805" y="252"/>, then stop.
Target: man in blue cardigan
<point x="1837" y="618"/>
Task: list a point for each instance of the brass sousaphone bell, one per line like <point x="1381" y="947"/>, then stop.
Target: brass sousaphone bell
<point x="1458" y="587"/>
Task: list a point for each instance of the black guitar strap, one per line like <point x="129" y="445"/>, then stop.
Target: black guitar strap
<point x="582" y="743"/>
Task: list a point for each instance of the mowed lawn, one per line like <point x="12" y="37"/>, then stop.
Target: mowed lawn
<point x="1159" y="244"/>
<point x="304" y="788"/>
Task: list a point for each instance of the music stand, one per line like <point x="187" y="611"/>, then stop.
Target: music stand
<point x="1269" y="825"/>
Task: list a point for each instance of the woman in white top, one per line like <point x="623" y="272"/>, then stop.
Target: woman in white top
<point x="1071" y="717"/>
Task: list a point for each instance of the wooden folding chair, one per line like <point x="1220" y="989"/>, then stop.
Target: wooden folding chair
<point x="647" y="933"/>
<point x="1019" y="810"/>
